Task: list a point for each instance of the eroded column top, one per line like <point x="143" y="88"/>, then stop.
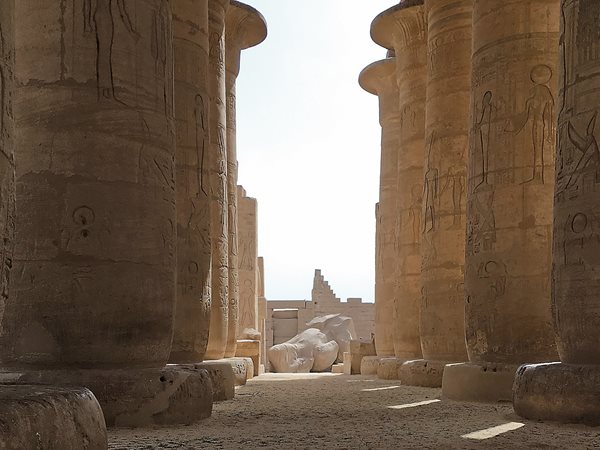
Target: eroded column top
<point x="399" y="24"/>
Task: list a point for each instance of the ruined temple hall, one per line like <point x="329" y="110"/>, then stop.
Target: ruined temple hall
<point x="324" y="224"/>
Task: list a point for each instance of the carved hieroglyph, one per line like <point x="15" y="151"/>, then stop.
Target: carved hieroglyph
<point x="217" y="162"/>
<point x="379" y="79"/>
<point x="444" y="180"/>
<point x="7" y="166"/>
<point x="248" y="240"/>
<point x="192" y="312"/>
<point x="568" y="391"/>
<point x="96" y="224"/>
<point x="244" y="27"/>
<point x="510" y="186"/>
<point x="403" y="28"/>
<point x="509" y="196"/>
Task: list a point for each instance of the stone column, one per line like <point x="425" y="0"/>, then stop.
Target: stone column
<point x="192" y="318"/>
<point x="245" y="27"/>
<point x="444" y="192"/>
<point x="92" y="304"/>
<point x="248" y="238"/>
<point x="403" y="29"/>
<point x="75" y="418"/>
<point x="262" y="312"/>
<point x="379" y="79"/>
<point x="509" y="196"/>
<point x="217" y="162"/>
<point x="568" y="391"/>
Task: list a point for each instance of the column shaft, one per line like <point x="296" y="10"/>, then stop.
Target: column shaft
<point x="444" y="191"/>
<point x="192" y="318"/>
<point x="247" y="210"/>
<point x="509" y="199"/>
<point x="568" y="391"/>
<point x="410" y="45"/>
<point x="217" y="341"/>
<point x="379" y="79"/>
<point x="96" y="189"/>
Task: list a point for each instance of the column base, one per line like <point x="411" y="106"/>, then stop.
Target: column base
<point x="136" y="397"/>
<point x="243" y="368"/>
<point x="369" y="365"/>
<point x="568" y="393"/>
<point x="478" y="382"/>
<point x="422" y="372"/>
<point x="50" y="417"/>
<point x="221" y="377"/>
<point x="388" y="368"/>
<point x="249" y="349"/>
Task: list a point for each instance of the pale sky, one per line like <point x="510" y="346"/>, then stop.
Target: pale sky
<point x="309" y="144"/>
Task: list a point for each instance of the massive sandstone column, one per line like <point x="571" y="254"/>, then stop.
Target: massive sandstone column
<point x="444" y="192"/>
<point x="192" y="317"/>
<point x="75" y="419"/>
<point x="245" y="27"/>
<point x="248" y="239"/>
<point x="403" y="28"/>
<point x="379" y="79"/>
<point x="94" y="284"/>
<point x="217" y="162"/>
<point x="569" y="391"/>
<point x="509" y="197"/>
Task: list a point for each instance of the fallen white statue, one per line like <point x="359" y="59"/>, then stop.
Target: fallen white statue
<point x="315" y="349"/>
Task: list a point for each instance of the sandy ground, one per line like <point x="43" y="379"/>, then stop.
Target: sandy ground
<point x="344" y="412"/>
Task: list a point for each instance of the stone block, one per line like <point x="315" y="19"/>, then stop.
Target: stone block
<point x="423" y="373"/>
<point x="39" y="417"/>
<point x="359" y="349"/>
<point x="136" y="397"/>
<point x="347" y="363"/>
<point x="337" y="368"/>
<point x="221" y="375"/>
<point x="285" y="314"/>
<point x="568" y="393"/>
<point x="388" y="368"/>
<point x="485" y="382"/>
<point x="250" y="349"/>
<point x="369" y="365"/>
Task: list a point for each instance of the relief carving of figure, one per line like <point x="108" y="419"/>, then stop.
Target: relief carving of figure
<point x="495" y="274"/>
<point x="482" y="128"/>
<point x="430" y="191"/>
<point x="98" y="17"/>
<point x="455" y="186"/>
<point x="414" y="212"/>
<point x="539" y="112"/>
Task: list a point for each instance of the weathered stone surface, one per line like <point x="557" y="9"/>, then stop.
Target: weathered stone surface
<point x="247" y="348"/>
<point x="38" y="417"/>
<point x="192" y="317"/>
<point x="248" y="273"/>
<point x="369" y="365"/>
<point x="510" y="188"/>
<point x="135" y="398"/>
<point x="96" y="226"/>
<point x="217" y="162"/>
<point x="337" y="328"/>
<point x="358" y="350"/>
<point x="222" y="378"/>
<point x="422" y="372"/>
<point x="570" y="391"/>
<point x="479" y="382"/>
<point x="379" y="79"/>
<point x="245" y="27"/>
<point x="442" y="326"/>
<point x="403" y="29"/>
<point x="388" y="368"/>
<point x="309" y="351"/>
<point x="558" y="391"/>
<point x="7" y="164"/>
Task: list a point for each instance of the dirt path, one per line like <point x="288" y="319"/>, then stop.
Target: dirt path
<point x="343" y="412"/>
